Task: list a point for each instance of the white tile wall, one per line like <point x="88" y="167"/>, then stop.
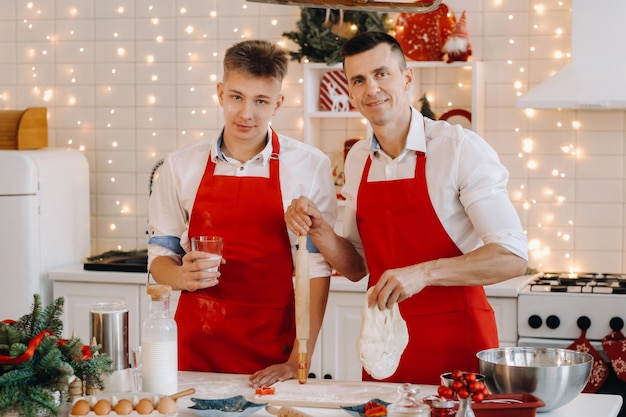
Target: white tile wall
<point x="65" y="55"/>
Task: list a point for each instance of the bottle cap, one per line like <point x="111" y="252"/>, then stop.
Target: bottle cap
<point x="158" y="292"/>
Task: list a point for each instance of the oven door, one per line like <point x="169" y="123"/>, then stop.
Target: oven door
<point x="558" y="343"/>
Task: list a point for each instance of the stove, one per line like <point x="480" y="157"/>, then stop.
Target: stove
<point x="554" y="308"/>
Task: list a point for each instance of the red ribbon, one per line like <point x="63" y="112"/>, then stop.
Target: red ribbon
<point x="85" y="350"/>
<point x="32" y="345"/>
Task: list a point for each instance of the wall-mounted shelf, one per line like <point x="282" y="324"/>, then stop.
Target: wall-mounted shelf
<point x="454" y="85"/>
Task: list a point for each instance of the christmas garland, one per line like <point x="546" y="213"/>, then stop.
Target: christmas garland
<point x="322" y="32"/>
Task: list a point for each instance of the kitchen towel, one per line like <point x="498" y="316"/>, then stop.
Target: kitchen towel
<point x="599" y="370"/>
<point x="614" y="345"/>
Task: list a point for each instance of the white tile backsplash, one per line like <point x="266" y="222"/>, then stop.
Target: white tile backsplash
<point x="571" y="202"/>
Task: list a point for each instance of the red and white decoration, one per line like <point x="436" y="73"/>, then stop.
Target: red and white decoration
<point x="599" y="370"/>
<point x="334" y="92"/>
<point x="457" y="46"/>
<point x="422" y="35"/>
<point x="614" y="345"/>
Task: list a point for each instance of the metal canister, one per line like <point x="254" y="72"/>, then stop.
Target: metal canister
<point x="109" y="327"/>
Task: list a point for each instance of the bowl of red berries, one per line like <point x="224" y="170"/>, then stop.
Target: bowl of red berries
<point x="462" y="385"/>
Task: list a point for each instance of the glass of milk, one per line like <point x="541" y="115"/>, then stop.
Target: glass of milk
<point x="212" y="245"/>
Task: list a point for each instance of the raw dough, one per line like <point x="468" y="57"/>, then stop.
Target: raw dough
<point x="383" y="338"/>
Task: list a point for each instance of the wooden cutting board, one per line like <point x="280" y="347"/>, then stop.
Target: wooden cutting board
<point x="323" y="393"/>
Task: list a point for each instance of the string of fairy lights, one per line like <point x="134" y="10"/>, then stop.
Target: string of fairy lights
<point x="127" y="82"/>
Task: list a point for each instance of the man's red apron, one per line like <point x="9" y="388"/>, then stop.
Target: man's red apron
<point x="246" y="322"/>
<point x="447" y="325"/>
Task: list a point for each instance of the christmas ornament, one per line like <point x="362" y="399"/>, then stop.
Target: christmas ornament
<point x="457" y="46"/>
<point x="322" y="32"/>
<point x="423" y="35"/>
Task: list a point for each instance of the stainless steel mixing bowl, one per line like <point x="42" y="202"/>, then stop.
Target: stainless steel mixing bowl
<point x="556" y="376"/>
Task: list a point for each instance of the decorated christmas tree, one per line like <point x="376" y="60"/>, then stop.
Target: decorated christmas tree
<point x="426" y="110"/>
<point x="322" y="32"/>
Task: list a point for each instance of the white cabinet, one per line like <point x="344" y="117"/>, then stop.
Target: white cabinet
<point x="505" y="309"/>
<point x="458" y="85"/>
<point x="340" y="332"/>
<point x="335" y="355"/>
<point x="80" y="289"/>
<point x="80" y="296"/>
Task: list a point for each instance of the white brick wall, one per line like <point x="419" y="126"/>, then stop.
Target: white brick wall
<point x="99" y="100"/>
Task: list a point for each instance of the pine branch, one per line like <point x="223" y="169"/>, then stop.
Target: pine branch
<point x="28" y="387"/>
<point x="317" y="41"/>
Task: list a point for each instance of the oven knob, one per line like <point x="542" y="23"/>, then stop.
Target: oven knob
<point x="583" y="322"/>
<point x="553" y="322"/>
<point x="535" y="321"/>
<point x="616" y="324"/>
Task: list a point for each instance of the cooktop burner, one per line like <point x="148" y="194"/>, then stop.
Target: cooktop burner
<point x="118" y="261"/>
<point x="593" y="283"/>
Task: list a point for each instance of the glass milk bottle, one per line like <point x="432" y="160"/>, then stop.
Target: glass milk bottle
<point x="159" y="344"/>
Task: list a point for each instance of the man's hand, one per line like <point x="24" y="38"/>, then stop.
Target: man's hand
<point x="396" y="285"/>
<point x="273" y="374"/>
<point x="195" y="273"/>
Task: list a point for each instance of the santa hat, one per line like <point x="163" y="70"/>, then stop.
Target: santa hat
<point x="460" y="29"/>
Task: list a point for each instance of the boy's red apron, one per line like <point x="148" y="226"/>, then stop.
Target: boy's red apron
<point x="246" y="322"/>
<point x="447" y="325"/>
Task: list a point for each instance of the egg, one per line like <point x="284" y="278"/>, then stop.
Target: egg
<point x="80" y="408"/>
<point x="123" y="407"/>
<point x="144" y="406"/>
<point x="167" y="405"/>
<point x="102" y="407"/>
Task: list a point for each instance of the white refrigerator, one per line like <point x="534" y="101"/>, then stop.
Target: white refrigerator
<point x="44" y="222"/>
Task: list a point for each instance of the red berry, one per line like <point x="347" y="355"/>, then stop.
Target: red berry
<point x="470" y="377"/>
<point x="476" y="386"/>
<point x="478" y="397"/>
<point x="457" y="375"/>
<point x="457" y="385"/>
<point x="448" y="393"/>
<point x="463" y="393"/>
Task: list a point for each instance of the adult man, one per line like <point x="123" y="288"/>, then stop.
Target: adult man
<point x="237" y="187"/>
<point x="427" y="215"/>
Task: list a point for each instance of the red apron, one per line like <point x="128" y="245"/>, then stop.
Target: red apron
<point x="447" y="325"/>
<point x="246" y="322"/>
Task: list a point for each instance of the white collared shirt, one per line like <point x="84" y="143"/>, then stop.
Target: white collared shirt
<point x="466" y="183"/>
<point x="304" y="170"/>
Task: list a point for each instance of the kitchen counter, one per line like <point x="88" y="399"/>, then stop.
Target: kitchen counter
<point x="334" y="393"/>
<point x="211" y="385"/>
<point x="508" y="288"/>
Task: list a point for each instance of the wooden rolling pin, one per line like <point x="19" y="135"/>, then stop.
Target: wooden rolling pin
<point x="181" y="394"/>
<point x="303" y="300"/>
<point x="285" y="411"/>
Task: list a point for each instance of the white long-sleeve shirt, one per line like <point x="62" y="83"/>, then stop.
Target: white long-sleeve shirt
<point x="304" y="170"/>
<point x="466" y="183"/>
